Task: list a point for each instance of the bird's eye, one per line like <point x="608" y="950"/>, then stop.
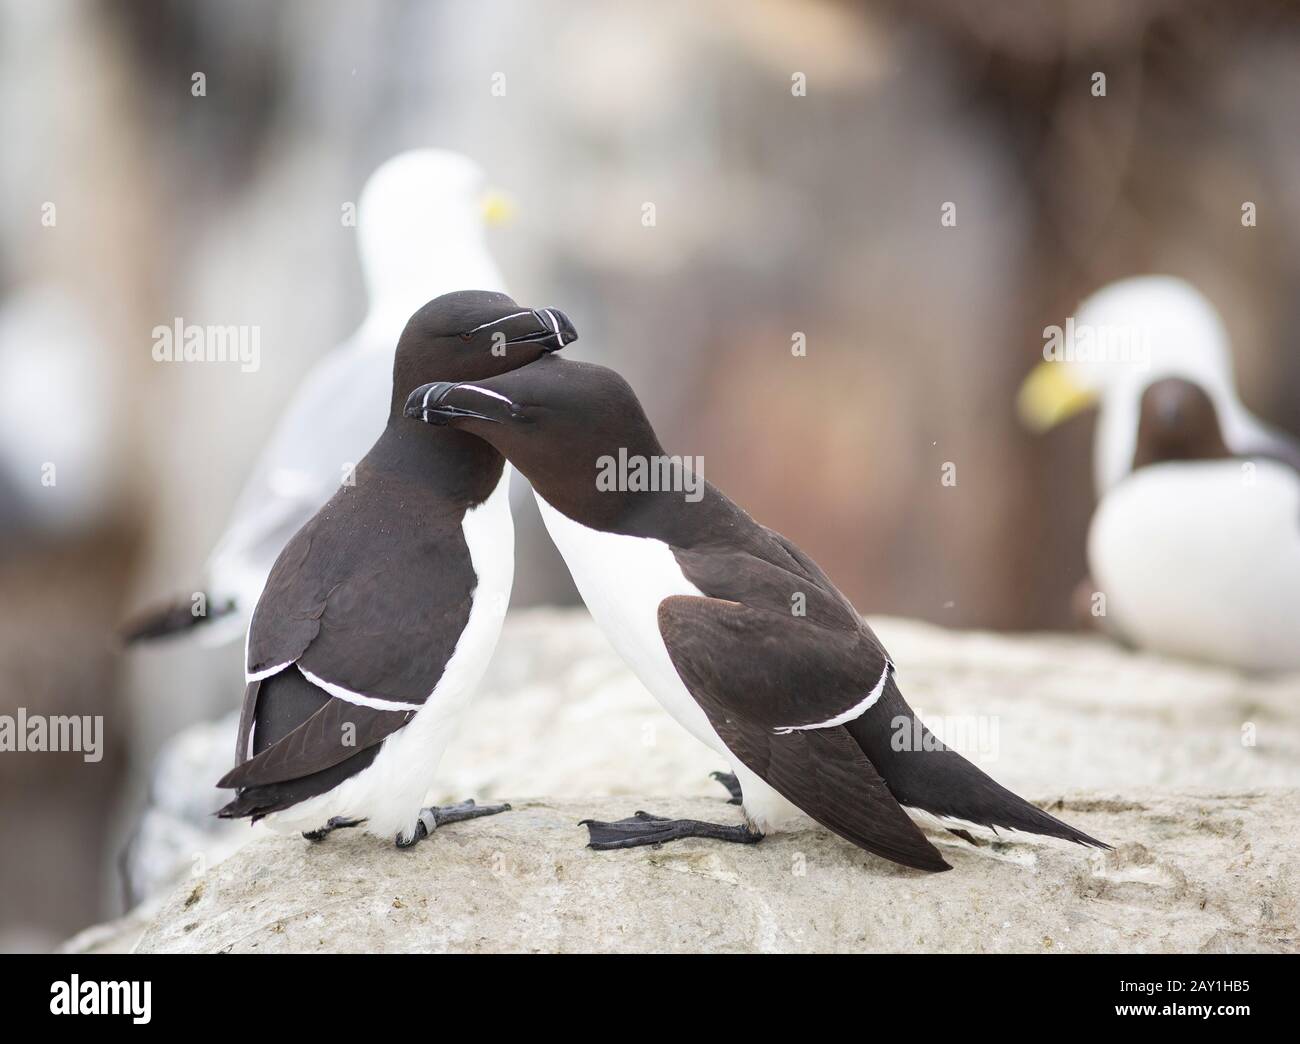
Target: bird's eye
<point x="465" y="337"/>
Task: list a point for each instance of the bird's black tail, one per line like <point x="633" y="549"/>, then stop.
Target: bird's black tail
<point x="164" y="621"/>
<point x="940" y="781"/>
<point x="250" y="804"/>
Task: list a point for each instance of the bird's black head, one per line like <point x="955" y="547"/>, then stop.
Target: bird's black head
<point x="558" y="421"/>
<point x="471" y="335"/>
<point x="1177" y="421"/>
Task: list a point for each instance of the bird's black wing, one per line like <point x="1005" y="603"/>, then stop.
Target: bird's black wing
<point x="355" y="626"/>
<point x="333" y="734"/>
<point x="375" y="607"/>
<point x="764" y="679"/>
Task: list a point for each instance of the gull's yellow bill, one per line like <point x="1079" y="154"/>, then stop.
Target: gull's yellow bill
<point x="1049" y="396"/>
<point x="498" y="208"/>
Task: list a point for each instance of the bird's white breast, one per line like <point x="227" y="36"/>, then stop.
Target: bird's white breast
<point x="623" y="579"/>
<point x="1203" y="560"/>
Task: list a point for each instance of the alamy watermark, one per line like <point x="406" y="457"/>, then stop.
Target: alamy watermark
<point x="659" y="473"/>
<point x="1108" y="343"/>
<point x="189" y="342"/>
<point x="73" y="996"/>
<point x="22" y="732"/>
<point x="973" y="735"/>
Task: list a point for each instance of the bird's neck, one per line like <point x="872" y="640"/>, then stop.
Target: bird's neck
<point x="681" y="515"/>
<point x="441" y="459"/>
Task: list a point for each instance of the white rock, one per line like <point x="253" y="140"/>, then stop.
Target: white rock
<point x="1194" y="872"/>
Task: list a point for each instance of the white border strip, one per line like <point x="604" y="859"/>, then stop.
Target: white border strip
<point x="265" y="673"/>
<point x="355" y="697"/>
<point x="484" y="391"/>
<point x="513" y="315"/>
<point x="855" y="711"/>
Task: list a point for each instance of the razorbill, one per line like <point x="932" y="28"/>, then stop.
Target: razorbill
<point x="737" y="632"/>
<point x="1195" y="541"/>
<point x="420" y="225"/>
<point x="381" y="613"/>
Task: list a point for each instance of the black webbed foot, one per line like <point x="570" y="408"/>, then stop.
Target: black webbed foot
<point x="729" y="780"/>
<point x="438" y="815"/>
<point x="335" y="823"/>
<point x="644" y="829"/>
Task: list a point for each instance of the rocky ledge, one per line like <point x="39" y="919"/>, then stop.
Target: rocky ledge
<point x="1191" y="872"/>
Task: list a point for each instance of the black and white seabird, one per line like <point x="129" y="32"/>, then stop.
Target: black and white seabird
<point x="698" y="598"/>
<point x="421" y="221"/>
<point x="1195" y="541"/>
<point x="382" y="612"/>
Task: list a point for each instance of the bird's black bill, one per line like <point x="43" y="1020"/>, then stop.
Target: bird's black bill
<point x="428" y="403"/>
<point x="553" y="332"/>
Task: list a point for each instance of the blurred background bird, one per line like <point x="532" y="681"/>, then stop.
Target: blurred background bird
<point x="1194" y="548"/>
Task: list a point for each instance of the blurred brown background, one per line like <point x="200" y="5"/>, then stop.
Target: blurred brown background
<point x="776" y="214"/>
